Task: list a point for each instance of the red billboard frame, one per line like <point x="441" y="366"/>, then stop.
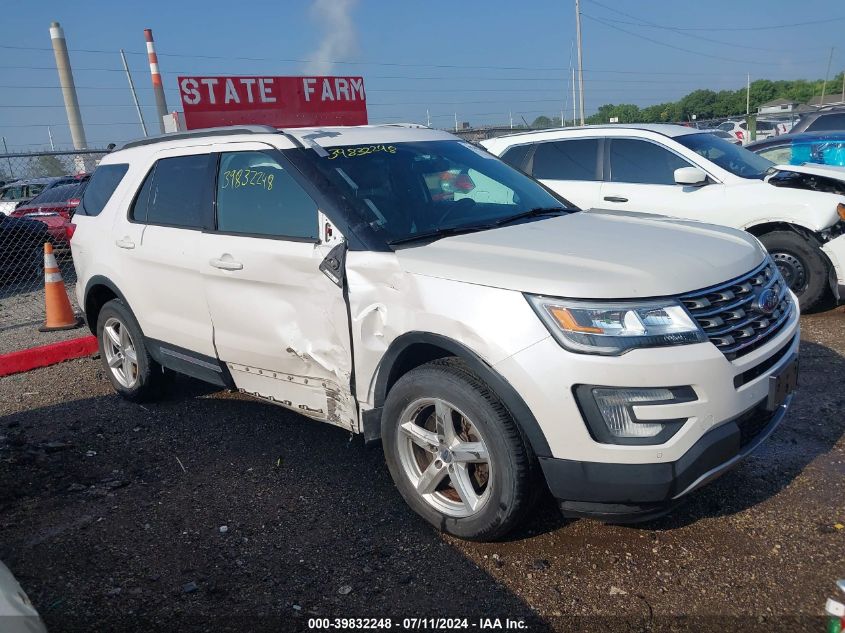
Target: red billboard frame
<point x="211" y="101"/>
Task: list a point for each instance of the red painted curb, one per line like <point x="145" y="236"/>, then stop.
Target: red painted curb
<point x="27" y="359"/>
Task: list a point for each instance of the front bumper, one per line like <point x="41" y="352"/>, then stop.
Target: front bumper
<point x="630" y="492"/>
<point x="597" y="478"/>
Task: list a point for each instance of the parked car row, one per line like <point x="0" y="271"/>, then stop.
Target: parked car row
<point x="18" y="192"/>
<point x="825" y="119"/>
<point x="401" y="283"/>
<point x="44" y="217"/>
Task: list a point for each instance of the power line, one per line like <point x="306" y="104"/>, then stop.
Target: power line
<point x="353" y="63"/>
<point x="678" y="48"/>
<point x="411" y="77"/>
<point x="722" y="28"/>
<point x="687" y="34"/>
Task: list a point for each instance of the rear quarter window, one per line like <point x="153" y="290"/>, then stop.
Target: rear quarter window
<point x="575" y="159"/>
<point x="100" y="188"/>
<point x="516" y="156"/>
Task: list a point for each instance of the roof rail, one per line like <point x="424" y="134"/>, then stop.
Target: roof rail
<point x="209" y="131"/>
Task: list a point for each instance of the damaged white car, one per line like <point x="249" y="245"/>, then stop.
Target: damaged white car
<point x="398" y="282"/>
<point x="686" y="173"/>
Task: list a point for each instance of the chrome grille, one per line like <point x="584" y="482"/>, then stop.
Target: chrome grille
<point x="730" y="313"/>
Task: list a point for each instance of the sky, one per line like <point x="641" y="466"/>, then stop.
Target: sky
<point x="482" y="62"/>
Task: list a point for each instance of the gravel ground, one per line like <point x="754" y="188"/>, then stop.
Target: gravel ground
<point x="209" y="511"/>
<point x="22" y="310"/>
<point x="13" y="339"/>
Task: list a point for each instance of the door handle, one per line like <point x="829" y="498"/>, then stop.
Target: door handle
<point x="226" y="264"/>
<point x="125" y="243"/>
<point x="615" y="199"/>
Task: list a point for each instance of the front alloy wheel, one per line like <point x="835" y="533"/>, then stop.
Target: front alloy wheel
<point x="444" y="457"/>
<point x="456" y="454"/>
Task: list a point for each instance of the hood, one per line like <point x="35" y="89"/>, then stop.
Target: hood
<point x="820" y="178"/>
<point x="592" y="255"/>
<point x="828" y="171"/>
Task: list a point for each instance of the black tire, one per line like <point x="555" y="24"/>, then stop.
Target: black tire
<point x="802" y="264"/>
<point x="512" y="471"/>
<point x="149" y="376"/>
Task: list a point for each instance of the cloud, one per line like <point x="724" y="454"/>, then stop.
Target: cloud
<point x="340" y="38"/>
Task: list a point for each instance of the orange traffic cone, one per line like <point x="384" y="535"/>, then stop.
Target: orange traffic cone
<point x="60" y="315"/>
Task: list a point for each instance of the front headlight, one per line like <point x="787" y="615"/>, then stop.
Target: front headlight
<point x="613" y="328"/>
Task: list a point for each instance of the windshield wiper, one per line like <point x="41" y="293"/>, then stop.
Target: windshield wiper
<point x="443" y="232"/>
<point x="532" y="213"/>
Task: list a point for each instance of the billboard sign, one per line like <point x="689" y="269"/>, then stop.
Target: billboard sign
<point x="276" y="101"/>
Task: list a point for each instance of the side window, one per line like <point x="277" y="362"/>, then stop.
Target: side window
<point x="257" y="196"/>
<point x="515" y="156"/>
<point x="567" y="160"/>
<point x="827" y="122"/>
<point x="175" y="193"/>
<point x="138" y="212"/>
<point x="642" y="162"/>
<point x="13" y="193"/>
<point x="100" y="188"/>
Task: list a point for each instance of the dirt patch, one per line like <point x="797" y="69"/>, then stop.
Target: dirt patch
<point x="210" y="511"/>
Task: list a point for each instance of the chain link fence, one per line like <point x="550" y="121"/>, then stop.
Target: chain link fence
<point x="38" y="198"/>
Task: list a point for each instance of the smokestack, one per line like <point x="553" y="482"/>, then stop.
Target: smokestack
<point x="158" y="87"/>
<point x="74" y="118"/>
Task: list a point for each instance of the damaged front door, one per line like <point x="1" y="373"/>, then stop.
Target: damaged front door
<point x="280" y="324"/>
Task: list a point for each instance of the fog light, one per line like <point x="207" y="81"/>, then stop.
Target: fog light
<point x="615" y="407"/>
<point x="609" y="412"/>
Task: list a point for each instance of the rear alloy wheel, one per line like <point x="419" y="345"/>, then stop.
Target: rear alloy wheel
<point x="801" y="262"/>
<point x="455" y="453"/>
<point x="132" y="371"/>
<point x="120" y="354"/>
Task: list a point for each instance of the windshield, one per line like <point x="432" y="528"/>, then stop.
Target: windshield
<point x="62" y="193"/>
<point x="737" y="160"/>
<point x="409" y="189"/>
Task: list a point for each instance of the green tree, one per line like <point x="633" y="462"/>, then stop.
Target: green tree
<point x="542" y="122"/>
<point x="709" y="104"/>
<point x="48" y="165"/>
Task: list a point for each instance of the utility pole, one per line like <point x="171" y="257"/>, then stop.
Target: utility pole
<point x="510" y="116"/>
<point x="50" y="134"/>
<point x="132" y="90"/>
<point x="427" y="118"/>
<point x="580" y="56"/>
<point x="9" y="160"/>
<point x="748" y="95"/>
<point x="574" y="117"/>
<point x="456" y="121"/>
<point x="158" y="88"/>
<point x="826" y="75"/>
<point x="74" y="118"/>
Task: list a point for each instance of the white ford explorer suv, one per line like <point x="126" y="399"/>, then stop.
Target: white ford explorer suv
<point x="684" y="172"/>
<point x="398" y="282"/>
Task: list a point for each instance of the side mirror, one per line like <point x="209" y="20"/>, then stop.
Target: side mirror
<point x="690" y="176"/>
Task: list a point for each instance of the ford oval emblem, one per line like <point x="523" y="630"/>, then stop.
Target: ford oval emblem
<point x="767" y="301"/>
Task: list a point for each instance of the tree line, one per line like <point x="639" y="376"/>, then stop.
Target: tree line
<point x="707" y="104"/>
